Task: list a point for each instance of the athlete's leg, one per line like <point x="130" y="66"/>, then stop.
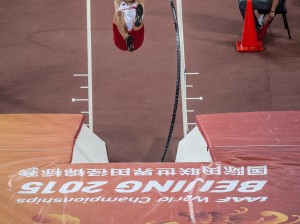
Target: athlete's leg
<point x="140" y="11"/>
<point x="117" y="4"/>
<point x="120" y="23"/>
<point x="142" y="2"/>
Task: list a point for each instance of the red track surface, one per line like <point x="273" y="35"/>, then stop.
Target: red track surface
<point x="43" y="43"/>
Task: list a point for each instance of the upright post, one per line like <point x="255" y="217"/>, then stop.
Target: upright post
<point x="182" y="70"/>
<point x="89" y="62"/>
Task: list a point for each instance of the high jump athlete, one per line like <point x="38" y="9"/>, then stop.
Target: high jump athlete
<point x="128" y="25"/>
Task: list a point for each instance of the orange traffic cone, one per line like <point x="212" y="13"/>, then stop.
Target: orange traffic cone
<point x="249" y="37"/>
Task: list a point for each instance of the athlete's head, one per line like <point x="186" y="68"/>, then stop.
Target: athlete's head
<point x="129" y="2"/>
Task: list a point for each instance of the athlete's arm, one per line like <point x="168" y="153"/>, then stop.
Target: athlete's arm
<point x="117" y="4"/>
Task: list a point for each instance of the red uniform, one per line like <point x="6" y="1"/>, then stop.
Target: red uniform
<point x="137" y="35"/>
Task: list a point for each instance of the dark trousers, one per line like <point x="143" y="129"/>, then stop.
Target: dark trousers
<point x="257" y="5"/>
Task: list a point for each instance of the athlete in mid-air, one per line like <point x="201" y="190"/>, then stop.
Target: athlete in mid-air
<point x="128" y="26"/>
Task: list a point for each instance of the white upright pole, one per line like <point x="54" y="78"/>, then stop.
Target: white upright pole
<point x="89" y="61"/>
<point x="182" y="70"/>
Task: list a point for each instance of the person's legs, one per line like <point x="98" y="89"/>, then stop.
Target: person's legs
<point x="142" y="2"/>
<point x="119" y="21"/>
<point x="256" y="4"/>
<point x="118" y="39"/>
<point x="140" y="10"/>
<point x="138" y="36"/>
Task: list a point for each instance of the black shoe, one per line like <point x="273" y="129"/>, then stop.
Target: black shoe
<point x="129" y="43"/>
<point x="139" y="15"/>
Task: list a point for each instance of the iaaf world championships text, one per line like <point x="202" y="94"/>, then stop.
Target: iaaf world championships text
<point x="140" y="200"/>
